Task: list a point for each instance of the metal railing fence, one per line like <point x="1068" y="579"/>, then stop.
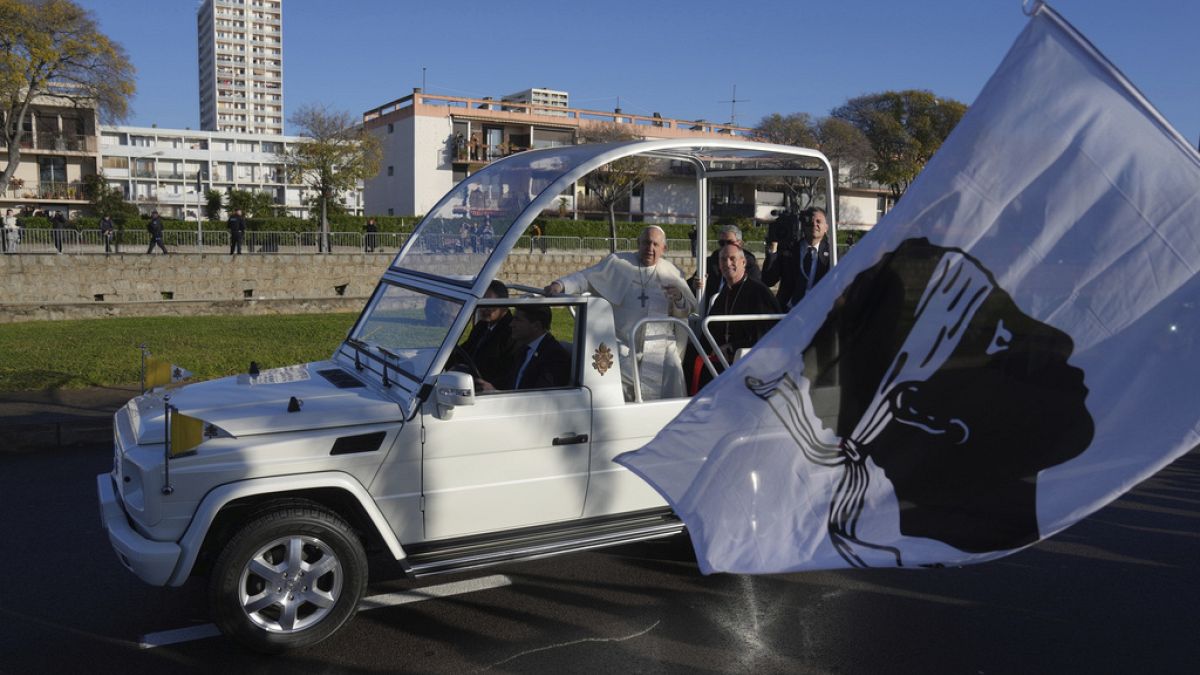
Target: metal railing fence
<point x="340" y="243"/>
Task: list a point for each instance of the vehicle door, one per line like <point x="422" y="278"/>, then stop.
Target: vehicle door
<point x="512" y="459"/>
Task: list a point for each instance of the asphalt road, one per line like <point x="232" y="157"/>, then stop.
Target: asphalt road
<point x="1116" y="593"/>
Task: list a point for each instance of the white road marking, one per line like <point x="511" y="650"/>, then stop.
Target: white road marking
<point x="171" y="637"/>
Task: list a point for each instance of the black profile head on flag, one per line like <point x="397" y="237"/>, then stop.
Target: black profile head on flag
<point x="958" y="396"/>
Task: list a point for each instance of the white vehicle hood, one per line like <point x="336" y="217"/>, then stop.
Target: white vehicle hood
<point x="243" y="405"/>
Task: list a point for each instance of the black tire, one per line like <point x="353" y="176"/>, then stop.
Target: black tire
<point x="317" y="565"/>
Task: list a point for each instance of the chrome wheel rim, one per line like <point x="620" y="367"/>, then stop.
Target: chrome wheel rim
<point x="290" y="584"/>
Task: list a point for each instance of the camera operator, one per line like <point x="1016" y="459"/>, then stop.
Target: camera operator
<point x="800" y="263"/>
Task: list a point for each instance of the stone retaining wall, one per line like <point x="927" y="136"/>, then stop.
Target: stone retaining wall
<point x="52" y="287"/>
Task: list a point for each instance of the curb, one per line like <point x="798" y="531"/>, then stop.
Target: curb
<point x="56" y="435"/>
<point x="53" y="419"/>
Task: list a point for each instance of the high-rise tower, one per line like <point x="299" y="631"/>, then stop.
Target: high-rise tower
<point x="241" y="65"/>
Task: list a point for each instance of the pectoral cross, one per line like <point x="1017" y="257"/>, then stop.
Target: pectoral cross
<point x="643" y="297"/>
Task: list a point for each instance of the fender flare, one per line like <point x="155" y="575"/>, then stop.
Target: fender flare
<point x="217" y="498"/>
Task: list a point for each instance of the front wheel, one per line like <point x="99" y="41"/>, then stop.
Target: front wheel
<point x="290" y="578"/>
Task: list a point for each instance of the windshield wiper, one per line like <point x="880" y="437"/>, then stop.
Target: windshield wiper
<point x="386" y="381"/>
<point x="359" y="347"/>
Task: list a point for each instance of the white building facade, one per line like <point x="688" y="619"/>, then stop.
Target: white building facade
<point x="169" y="170"/>
<point x="240" y="49"/>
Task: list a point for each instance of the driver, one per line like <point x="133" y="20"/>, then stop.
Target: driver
<point x="539" y="362"/>
<point x="489" y="348"/>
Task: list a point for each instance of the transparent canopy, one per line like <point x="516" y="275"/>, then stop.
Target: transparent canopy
<point x="481" y="218"/>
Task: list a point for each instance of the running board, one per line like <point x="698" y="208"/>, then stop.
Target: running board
<point x="470" y="557"/>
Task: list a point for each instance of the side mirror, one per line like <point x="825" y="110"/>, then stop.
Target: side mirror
<point x="453" y="389"/>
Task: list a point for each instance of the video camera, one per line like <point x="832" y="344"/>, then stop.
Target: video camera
<point x="787" y="225"/>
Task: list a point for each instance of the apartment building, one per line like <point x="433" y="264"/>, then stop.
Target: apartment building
<point x="58" y="151"/>
<point x="240" y="45"/>
<point x="431" y="142"/>
<point x="549" y="100"/>
<point x="169" y="170"/>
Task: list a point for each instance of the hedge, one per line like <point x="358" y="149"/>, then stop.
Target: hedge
<point x="551" y="227"/>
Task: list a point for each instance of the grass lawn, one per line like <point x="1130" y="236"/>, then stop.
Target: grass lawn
<point x="74" y="354"/>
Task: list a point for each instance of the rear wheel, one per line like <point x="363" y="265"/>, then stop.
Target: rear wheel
<point x="288" y="579"/>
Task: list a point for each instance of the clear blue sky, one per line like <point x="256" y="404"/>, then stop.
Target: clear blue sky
<point x="681" y="59"/>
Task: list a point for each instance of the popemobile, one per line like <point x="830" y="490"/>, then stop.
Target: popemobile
<point x="274" y="485"/>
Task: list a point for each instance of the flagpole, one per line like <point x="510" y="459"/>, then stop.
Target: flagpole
<point x="1041" y="7"/>
<point x="143" y="348"/>
<point x="167" y="488"/>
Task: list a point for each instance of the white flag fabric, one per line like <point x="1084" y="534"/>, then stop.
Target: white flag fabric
<point x="1013" y="347"/>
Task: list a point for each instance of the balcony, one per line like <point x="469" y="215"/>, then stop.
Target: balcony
<point x="56" y="191"/>
<point x="57" y="142"/>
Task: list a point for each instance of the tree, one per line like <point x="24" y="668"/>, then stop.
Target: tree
<point x="52" y="49"/>
<point x="845" y="146"/>
<point x="904" y="128"/>
<point x="799" y="129"/>
<point x="252" y="204"/>
<point x="616" y="180"/>
<point x="212" y="205"/>
<point x="106" y="200"/>
<point x="335" y="155"/>
<point x="795" y="129"/>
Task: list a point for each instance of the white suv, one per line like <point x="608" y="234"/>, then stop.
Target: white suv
<point x="301" y="470"/>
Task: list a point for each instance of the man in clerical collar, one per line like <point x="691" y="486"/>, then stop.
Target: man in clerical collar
<point x="737" y="294"/>
<point x="641" y="285"/>
<point x="539" y="362"/>
<point x="727" y="234"/>
<point x="799" y="266"/>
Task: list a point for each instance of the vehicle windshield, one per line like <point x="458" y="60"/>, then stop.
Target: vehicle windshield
<point x="405" y="328"/>
<point x="460" y="233"/>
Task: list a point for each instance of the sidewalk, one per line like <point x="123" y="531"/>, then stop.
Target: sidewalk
<point x="56" y="418"/>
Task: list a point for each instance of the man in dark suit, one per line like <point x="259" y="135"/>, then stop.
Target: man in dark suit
<point x="800" y="265"/>
<point x="540" y="361"/>
<point x="489" y="347"/>
<point x="237" y="232"/>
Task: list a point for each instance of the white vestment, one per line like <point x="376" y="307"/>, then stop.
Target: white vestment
<point x="637" y="292"/>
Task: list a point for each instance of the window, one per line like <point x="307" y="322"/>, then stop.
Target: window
<point x="552" y="366"/>
<point x="391" y="212"/>
<point x="391" y="127"/>
<point x="52" y="170"/>
<point x="111" y="162"/>
<point x="391" y="171"/>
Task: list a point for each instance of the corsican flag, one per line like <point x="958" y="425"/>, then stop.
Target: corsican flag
<point x="1013" y="347"/>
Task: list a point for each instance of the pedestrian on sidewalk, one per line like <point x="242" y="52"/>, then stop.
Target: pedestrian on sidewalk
<point x="237" y="232"/>
<point x="10" y="232"/>
<point x="155" y="228"/>
<point x="107" y="232"/>
<point x="372" y="235"/>
<point x="58" y="226"/>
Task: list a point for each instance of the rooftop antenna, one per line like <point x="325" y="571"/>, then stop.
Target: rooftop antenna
<point x="733" y="106"/>
<point x="422" y="78"/>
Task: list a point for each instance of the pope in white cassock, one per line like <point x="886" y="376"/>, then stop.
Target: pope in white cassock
<point x="641" y="285"/>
